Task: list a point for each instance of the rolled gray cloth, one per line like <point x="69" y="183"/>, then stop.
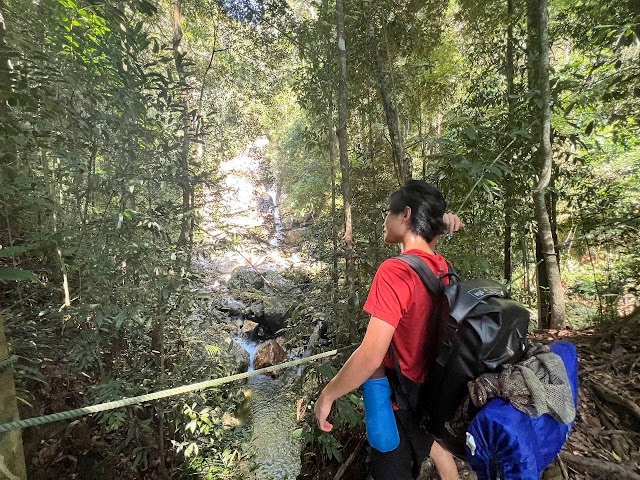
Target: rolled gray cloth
<point x="536" y="385"/>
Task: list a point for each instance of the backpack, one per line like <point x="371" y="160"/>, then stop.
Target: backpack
<point x="479" y="329"/>
<point x="512" y="445"/>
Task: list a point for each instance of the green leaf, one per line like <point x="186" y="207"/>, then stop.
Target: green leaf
<point x="10" y="273"/>
<point x="470" y="133"/>
<point x="119" y="319"/>
<point x="8" y="251"/>
<point x="589" y="128"/>
<point x="137" y="318"/>
<point x="297" y="433"/>
<point x="99" y="318"/>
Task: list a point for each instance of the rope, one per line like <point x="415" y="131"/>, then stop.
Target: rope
<point x="125" y="402"/>
<point x="8" y="362"/>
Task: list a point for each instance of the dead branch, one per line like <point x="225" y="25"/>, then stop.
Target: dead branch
<point x="601" y="467"/>
<point x="613" y="397"/>
<point x="345" y="465"/>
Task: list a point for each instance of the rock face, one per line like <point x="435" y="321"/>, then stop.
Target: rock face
<point x="272" y="308"/>
<point x="276" y="311"/>
<point x="239" y="355"/>
<point x="244" y="278"/>
<point x="233" y="306"/>
<point x="255" y="310"/>
<point x="276" y="284"/>
<point x="267" y="354"/>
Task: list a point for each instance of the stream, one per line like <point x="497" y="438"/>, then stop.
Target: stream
<point x="251" y="204"/>
<point x="274" y="449"/>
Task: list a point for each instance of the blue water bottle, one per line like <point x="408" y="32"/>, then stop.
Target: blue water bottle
<point x="382" y="431"/>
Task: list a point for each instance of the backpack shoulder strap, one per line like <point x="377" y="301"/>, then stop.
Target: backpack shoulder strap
<point x="433" y="283"/>
<point x="403" y="386"/>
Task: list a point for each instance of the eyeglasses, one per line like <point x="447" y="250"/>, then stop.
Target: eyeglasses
<point x="385" y="212"/>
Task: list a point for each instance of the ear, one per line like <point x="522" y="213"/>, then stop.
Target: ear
<point x="407" y="213"/>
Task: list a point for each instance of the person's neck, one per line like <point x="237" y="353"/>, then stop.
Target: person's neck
<point x="411" y="241"/>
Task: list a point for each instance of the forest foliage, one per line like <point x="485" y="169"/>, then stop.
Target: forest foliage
<point x="115" y="117"/>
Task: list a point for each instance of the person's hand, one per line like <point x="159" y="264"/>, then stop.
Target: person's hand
<point x="452" y="222"/>
<point x="322" y="409"/>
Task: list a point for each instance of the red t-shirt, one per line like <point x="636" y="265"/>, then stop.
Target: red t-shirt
<point x="399" y="297"/>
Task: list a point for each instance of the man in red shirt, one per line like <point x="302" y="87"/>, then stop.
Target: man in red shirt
<point x="400" y="307"/>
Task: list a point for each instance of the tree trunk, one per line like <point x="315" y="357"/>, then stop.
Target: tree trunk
<point x="185" y="181"/>
<point x="508" y="180"/>
<point x="344" y="166"/>
<point x="55" y="191"/>
<point x="332" y="162"/>
<point x="390" y="110"/>
<point x="8" y="154"/>
<point x="331" y="142"/>
<point x="12" y="464"/>
<point x="538" y="61"/>
<point x="525" y="260"/>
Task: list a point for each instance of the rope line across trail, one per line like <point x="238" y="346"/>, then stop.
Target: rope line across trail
<point x="125" y="402"/>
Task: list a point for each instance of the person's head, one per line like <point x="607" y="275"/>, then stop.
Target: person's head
<point x="418" y="206"/>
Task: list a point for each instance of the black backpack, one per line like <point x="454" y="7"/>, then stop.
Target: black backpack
<point x="484" y="329"/>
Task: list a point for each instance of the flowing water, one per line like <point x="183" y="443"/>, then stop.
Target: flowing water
<point x="274" y="448"/>
<point x="248" y="203"/>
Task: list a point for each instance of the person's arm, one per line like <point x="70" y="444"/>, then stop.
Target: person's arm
<point x="361" y="364"/>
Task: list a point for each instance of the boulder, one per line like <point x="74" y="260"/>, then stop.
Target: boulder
<point x="233" y="306"/>
<point x="229" y="421"/>
<point x="276" y="311"/>
<point x="244" y="278"/>
<point x="250" y="329"/>
<point x="255" y="310"/>
<point x="276" y="284"/>
<point x="240" y="357"/>
<point x="267" y="354"/>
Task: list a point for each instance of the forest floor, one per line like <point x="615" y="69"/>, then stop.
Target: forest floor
<point x="605" y="441"/>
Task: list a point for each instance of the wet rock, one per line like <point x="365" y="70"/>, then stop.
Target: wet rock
<point x="240" y="356"/>
<point x="250" y="329"/>
<point x="255" y="310"/>
<point x="276" y="284"/>
<point x="229" y="421"/>
<point x="244" y="278"/>
<point x="267" y="354"/>
<point x="276" y="311"/>
<point x="233" y="306"/>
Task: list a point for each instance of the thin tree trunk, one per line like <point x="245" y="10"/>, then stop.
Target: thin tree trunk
<point x="344" y="166"/>
<point x="55" y="191"/>
<point x="185" y="181"/>
<point x="537" y="21"/>
<point x="525" y="261"/>
<point x="8" y="154"/>
<point x="508" y="180"/>
<point x="390" y="110"/>
<point x="157" y="348"/>
<point x="423" y="146"/>
<point x="332" y="162"/>
<point x="89" y="191"/>
<point x="12" y="464"/>
<point x="331" y="141"/>
<point x="376" y="225"/>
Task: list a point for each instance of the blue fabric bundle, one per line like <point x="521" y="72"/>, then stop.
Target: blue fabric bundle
<point x="503" y="439"/>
